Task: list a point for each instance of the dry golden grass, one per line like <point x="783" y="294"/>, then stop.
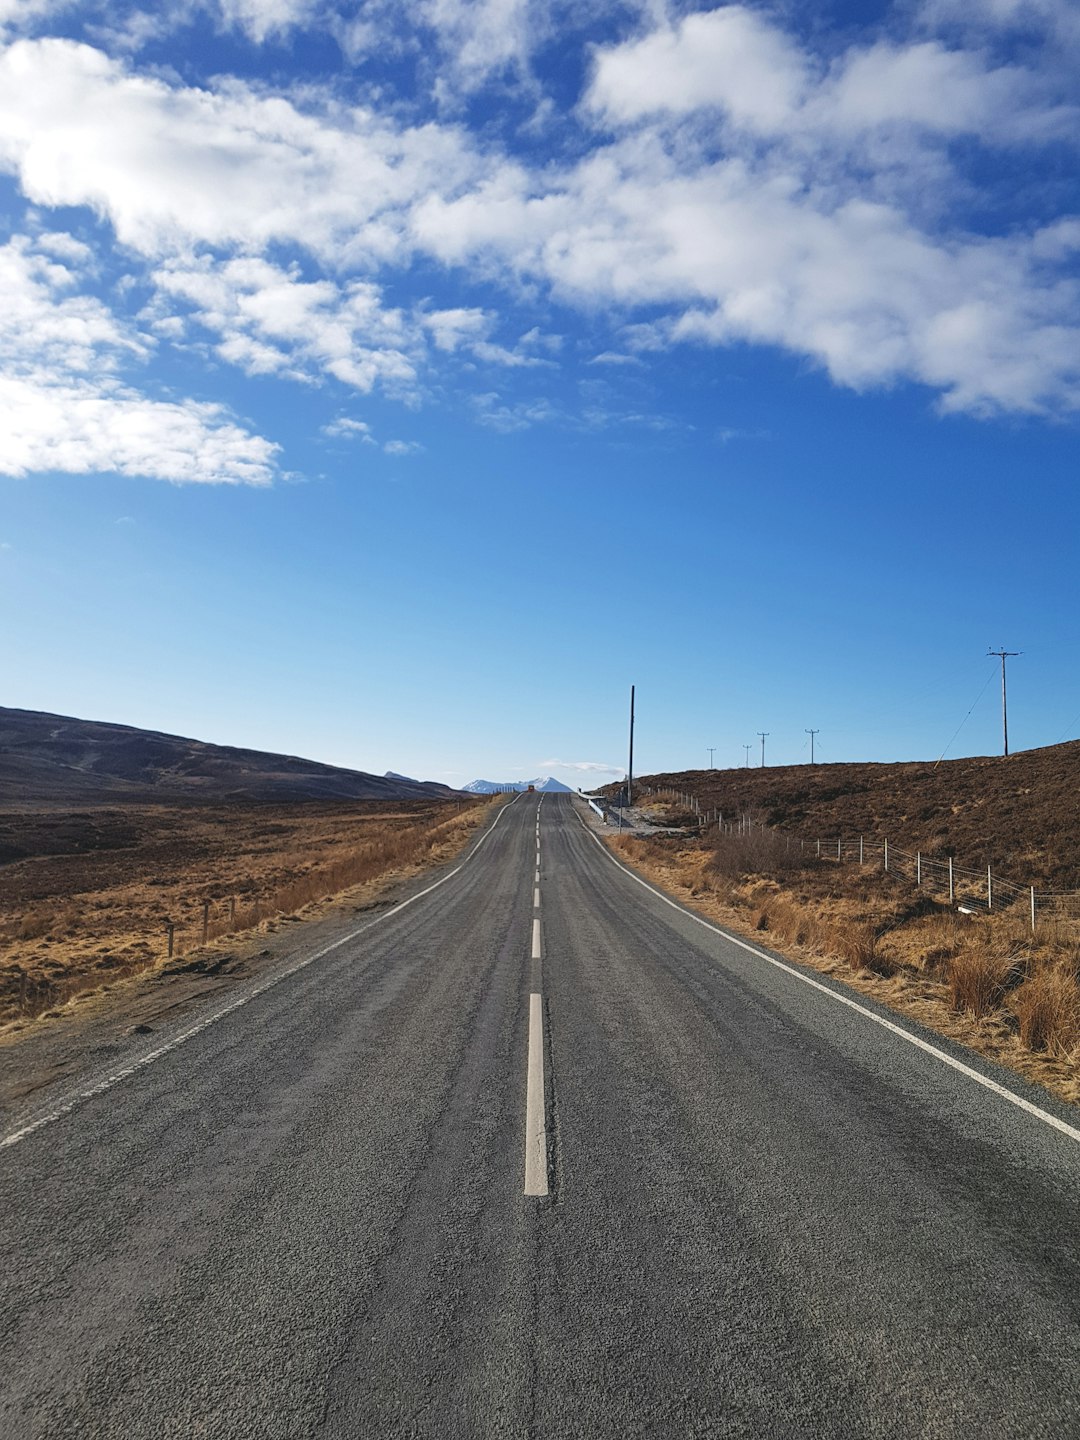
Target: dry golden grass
<point x="983" y="981"/>
<point x="1048" y="1009"/>
<point x="78" y="921"/>
<point x="978" y="979"/>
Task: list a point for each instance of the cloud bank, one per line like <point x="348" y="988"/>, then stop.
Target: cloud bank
<point x="717" y="179"/>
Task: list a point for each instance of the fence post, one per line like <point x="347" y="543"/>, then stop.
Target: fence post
<point x="860" y="849"/>
<point x="952" y="891"/>
<point x="1033" y="909"/>
<point x="169" y="928"/>
<point x="205" y="921"/>
<point x="918" y="867"/>
<point x="989" y="889"/>
<point x="886" y="854"/>
<point x="232" y="911"/>
<point x="819" y="849"/>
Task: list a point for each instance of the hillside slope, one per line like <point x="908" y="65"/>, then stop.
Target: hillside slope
<point x="58" y="760"/>
<point x="1021" y="813"/>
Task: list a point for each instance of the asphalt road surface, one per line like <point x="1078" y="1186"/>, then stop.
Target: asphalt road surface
<point x="755" y="1210"/>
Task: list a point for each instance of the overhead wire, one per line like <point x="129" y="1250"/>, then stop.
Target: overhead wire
<point x="966" y="718"/>
<point x="1071" y="726"/>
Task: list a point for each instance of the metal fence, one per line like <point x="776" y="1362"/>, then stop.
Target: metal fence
<point x="971" y="891"/>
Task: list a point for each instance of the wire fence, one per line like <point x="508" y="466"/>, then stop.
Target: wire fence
<point x="970" y="891"/>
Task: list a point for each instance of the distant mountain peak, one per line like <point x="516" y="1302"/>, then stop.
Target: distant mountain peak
<point x="545" y="783"/>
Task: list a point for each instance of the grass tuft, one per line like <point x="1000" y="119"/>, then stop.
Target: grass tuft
<point x="1048" y="1009"/>
<point x="978" y="979"/>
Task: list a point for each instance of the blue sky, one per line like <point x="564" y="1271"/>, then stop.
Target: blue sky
<point x="394" y="385"/>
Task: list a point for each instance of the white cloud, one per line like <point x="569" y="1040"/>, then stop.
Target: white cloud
<point x="731" y="57"/>
<point x="82" y="427"/>
<point x="754" y="190"/>
<point x="510" y="416"/>
<point x="739" y="62"/>
<point x="65" y="247"/>
<point x="583" y="766"/>
<point x="450" y="329"/>
<point x="785" y="243"/>
<point x="930" y="88"/>
<point x="349" y="429"/>
<point x="467" y="331"/>
<point x="1055" y="20"/>
<point x="262" y="18"/>
<point x="172" y="166"/>
<point x="45" y="322"/>
<point x="513" y="359"/>
<point x="403" y="447"/>
<point x="20" y="14"/>
<point x="480" y="37"/>
<point x="65" y="405"/>
<point x="270" y="320"/>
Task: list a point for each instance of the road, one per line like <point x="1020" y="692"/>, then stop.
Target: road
<point x="765" y="1213"/>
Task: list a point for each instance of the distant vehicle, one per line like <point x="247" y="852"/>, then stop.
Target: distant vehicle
<point x="531" y="790"/>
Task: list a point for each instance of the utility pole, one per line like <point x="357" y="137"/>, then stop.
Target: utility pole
<point x="712" y="751"/>
<point x="630" y="769"/>
<point x="763" y="733"/>
<point x="1004" y="655"/>
<point x="747" y="748"/>
<point x="812" y="733"/>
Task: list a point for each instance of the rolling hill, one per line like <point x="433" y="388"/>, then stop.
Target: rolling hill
<point x="1021" y="813"/>
<point x="56" y="760"/>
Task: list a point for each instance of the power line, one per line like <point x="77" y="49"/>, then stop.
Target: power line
<point x="812" y="733"/>
<point x="1004" y="655"/>
<point x="712" y="751"/>
<point x="763" y="734"/>
<point x="748" y="748"/>
<point x="630" y="768"/>
<point x="964" y="721"/>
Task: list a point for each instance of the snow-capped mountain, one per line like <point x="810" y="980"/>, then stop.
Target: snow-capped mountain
<point x="546" y="783"/>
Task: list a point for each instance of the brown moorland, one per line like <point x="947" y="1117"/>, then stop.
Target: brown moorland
<point x="90" y="900"/>
<point x="110" y="835"/>
<point x="1020" y="814"/>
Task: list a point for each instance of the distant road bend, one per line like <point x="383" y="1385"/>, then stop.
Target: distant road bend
<point x="538" y="1154"/>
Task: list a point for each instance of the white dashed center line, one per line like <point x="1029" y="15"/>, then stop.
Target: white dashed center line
<point x="536" y="1170"/>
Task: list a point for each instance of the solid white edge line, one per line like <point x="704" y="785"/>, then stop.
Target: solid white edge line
<point x="535" y="940"/>
<point x="114" y="1078"/>
<point x="946" y="1059"/>
<point x="536" y="1182"/>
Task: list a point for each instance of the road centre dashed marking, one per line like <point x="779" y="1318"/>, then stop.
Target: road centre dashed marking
<point x="114" y="1077"/>
<point x="536" y="1170"/>
<point x="536" y="1179"/>
<point x="1002" y="1090"/>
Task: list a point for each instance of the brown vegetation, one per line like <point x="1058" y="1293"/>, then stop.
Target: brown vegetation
<point x="91" y="900"/>
<point x="1048" y="1009"/>
<point x="1021" y="813"/>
